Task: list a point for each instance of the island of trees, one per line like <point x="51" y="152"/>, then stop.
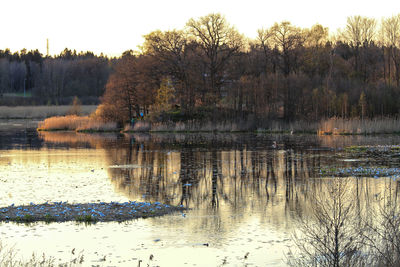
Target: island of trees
<point x="209" y="71"/>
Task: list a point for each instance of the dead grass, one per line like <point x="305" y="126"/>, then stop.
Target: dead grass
<point x="41" y="112"/>
<point x="140" y="126"/>
<point x="339" y="126"/>
<point x="67" y="123"/>
<point x="332" y="126"/>
<point x="75" y="123"/>
<point x="10" y="258"/>
<point x="287" y="127"/>
<point x="227" y="126"/>
<point x="195" y="126"/>
<point x="97" y="126"/>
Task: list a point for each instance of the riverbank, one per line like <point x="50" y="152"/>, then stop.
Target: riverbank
<point x="85" y="212"/>
<point x="332" y="126"/>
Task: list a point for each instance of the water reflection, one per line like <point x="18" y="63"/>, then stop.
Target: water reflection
<point x="244" y="192"/>
<point x="239" y="173"/>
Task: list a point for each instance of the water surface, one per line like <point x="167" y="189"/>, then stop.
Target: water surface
<point x="243" y="192"/>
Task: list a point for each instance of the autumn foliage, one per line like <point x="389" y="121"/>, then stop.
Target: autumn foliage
<point x="287" y="73"/>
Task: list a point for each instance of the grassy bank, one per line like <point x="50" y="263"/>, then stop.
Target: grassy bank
<point x="41" y="112"/>
<point x="332" y="126"/>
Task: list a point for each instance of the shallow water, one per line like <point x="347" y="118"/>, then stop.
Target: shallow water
<point x="243" y="194"/>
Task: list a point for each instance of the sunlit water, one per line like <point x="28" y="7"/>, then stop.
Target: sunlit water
<point x="243" y="193"/>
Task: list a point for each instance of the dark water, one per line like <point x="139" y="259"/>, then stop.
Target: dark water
<point x="244" y="192"/>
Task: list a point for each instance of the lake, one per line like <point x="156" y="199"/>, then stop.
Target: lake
<point x="244" y="192"/>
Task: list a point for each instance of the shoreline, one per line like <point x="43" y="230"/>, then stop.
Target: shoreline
<point x="121" y="131"/>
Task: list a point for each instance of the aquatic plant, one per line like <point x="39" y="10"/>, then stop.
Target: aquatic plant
<point x="373" y="149"/>
<point x="86" y="219"/>
<point x="361" y="171"/>
<point x="26" y="218"/>
<point x="85" y="212"/>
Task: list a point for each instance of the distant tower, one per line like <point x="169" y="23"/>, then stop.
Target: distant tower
<point x="47" y="46"/>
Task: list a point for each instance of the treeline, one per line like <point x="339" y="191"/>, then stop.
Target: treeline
<point x="52" y="80"/>
<point x="208" y="70"/>
<point x="286" y="72"/>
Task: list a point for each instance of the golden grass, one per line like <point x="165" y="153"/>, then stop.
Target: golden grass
<point x="97" y="126"/>
<point x="41" y="112"/>
<point x="339" y="126"/>
<point x="334" y="126"/>
<point x="68" y="123"/>
<point x="75" y="123"/>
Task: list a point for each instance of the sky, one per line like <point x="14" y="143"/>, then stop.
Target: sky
<point x="114" y="26"/>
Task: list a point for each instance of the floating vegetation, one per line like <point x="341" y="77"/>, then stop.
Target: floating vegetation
<point x="373" y="149"/>
<point x="375" y="172"/>
<point x="86" y="212"/>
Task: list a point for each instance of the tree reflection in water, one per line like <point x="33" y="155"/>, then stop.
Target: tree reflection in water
<point x="239" y="172"/>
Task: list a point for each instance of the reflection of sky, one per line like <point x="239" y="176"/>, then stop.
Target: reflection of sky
<point x="81" y="175"/>
<point x="248" y="218"/>
<point x="37" y="176"/>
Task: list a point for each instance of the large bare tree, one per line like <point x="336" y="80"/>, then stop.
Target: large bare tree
<point x="171" y="48"/>
<point x="219" y="42"/>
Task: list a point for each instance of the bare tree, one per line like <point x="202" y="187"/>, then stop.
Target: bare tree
<point x="330" y="235"/>
<point x="287" y="39"/>
<point x="171" y="48"/>
<point x="264" y="40"/>
<point x="383" y="231"/>
<point x="219" y="42"/>
<point x="391" y="34"/>
<point x="359" y="30"/>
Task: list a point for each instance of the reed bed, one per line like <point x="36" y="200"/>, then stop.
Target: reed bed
<point x="140" y="126"/>
<point x="97" y="126"/>
<point x="340" y="126"/>
<point x="41" y="112"/>
<point x="287" y="127"/>
<point x="196" y="126"/>
<point x="75" y="123"/>
<point x="332" y="126"/>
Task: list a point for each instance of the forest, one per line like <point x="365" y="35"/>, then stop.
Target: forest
<point x="46" y="80"/>
<point x="208" y="70"/>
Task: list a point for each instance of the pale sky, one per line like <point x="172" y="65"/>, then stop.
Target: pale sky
<point x="114" y="26"/>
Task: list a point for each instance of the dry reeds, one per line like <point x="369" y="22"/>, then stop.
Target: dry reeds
<point x="67" y="123"/>
<point x="140" y="126"/>
<point x="340" y="126"/>
<point x="295" y="127"/>
<point x="195" y="126"/>
<point x="75" y="123"/>
<point x="97" y="126"/>
<point x="224" y="126"/>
